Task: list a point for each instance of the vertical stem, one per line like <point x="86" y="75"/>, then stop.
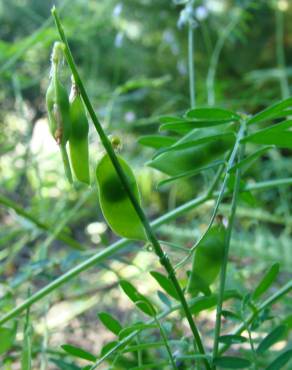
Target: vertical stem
<point x="44" y="359"/>
<point x="164" y="338"/>
<point x="220" y="195"/>
<point x="191" y="65"/>
<point x="66" y="163"/>
<point x="226" y="252"/>
<point x="280" y="52"/>
<point x="252" y="347"/>
<point x="163" y="258"/>
<point x="284" y="86"/>
<point x="140" y="354"/>
<point x="210" y="80"/>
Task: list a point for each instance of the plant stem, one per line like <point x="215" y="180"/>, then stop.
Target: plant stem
<point x="254" y="356"/>
<point x="219" y="199"/>
<point x="191" y="65"/>
<point x="281" y="52"/>
<point x="66" y="163"/>
<point x="49" y="229"/>
<point x="284" y="85"/>
<point x="165" y="341"/>
<point x="210" y="81"/>
<point x="163" y="258"/>
<point x="226" y="250"/>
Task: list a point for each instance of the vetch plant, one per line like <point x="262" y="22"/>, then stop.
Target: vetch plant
<point x="204" y="139"/>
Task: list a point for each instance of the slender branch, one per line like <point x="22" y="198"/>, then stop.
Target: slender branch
<point x="21" y="212"/>
<point x="165" y="341"/>
<point x="280" y="52"/>
<point x="219" y="198"/>
<point x="163" y="258"/>
<point x="226" y="250"/>
<point x="251" y="343"/>
<point x="210" y="81"/>
<point x="284" y="86"/>
<point x="191" y="65"/>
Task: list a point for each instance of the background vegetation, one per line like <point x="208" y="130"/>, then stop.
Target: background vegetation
<point x="133" y="57"/>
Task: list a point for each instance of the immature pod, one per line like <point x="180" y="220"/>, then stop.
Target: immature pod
<point x="78" y="141"/>
<point x="207" y="261"/>
<point x="176" y="162"/>
<point x="114" y="201"/>
<point x="57" y="101"/>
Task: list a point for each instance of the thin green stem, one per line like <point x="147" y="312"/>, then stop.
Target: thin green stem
<point x="166" y="344"/>
<point x="163" y="258"/>
<point x="252" y="346"/>
<point x="66" y="163"/>
<point x="280" y="52"/>
<point x="210" y="81"/>
<point x="44" y="347"/>
<point x="191" y="65"/>
<point x="21" y="212"/>
<point x="223" y="272"/>
<point x="284" y="85"/>
<point x="139" y="352"/>
<point x="219" y="198"/>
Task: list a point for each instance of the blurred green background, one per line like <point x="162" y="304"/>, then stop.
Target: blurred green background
<point x="133" y="57"/>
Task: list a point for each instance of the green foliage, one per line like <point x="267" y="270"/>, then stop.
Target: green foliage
<point x="228" y="155"/>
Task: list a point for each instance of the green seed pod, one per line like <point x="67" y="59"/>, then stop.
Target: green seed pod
<point x="176" y="162"/>
<point x="114" y="202"/>
<point x="58" y="109"/>
<point x="207" y="261"/>
<point x="78" y="141"/>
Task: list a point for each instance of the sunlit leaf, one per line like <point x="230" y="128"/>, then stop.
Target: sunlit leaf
<point x="110" y="322"/>
<point x="273" y="337"/>
<point x="139" y="299"/>
<point x="78" y="352"/>
<point x="210" y="114"/>
<point x="280" y="361"/>
<point x="272" y="112"/>
<point x="266" y="281"/>
<point x="165" y="284"/>
<point x="156" y="141"/>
